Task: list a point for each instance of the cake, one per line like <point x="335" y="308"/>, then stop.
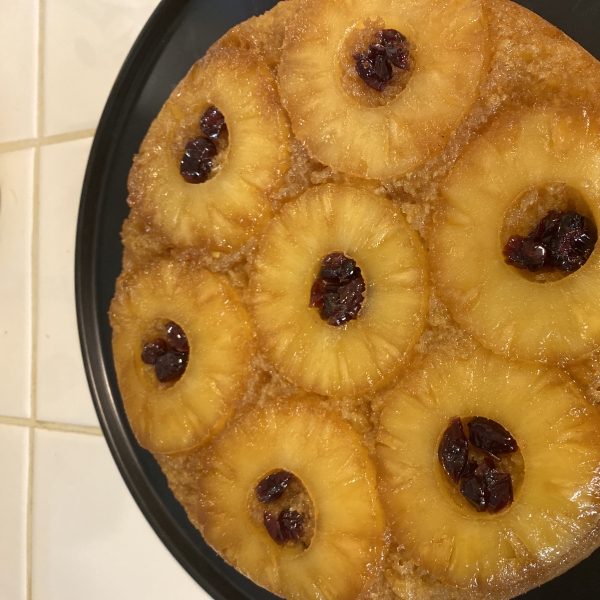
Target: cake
<point x="357" y="323"/>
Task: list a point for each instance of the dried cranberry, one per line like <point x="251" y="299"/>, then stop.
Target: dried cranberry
<point x="396" y="47"/>
<point x="499" y="490"/>
<point x="273" y="526"/>
<point x="375" y="66"/>
<point x="491" y="437"/>
<point x="176" y="337"/>
<point x="453" y="450"/>
<point x="562" y="241"/>
<point x="573" y="242"/>
<point x="338" y="290"/>
<point x="212" y="122"/>
<point x="337" y="266"/>
<point x="287" y="527"/>
<point x="168" y="356"/>
<point x="196" y="163"/>
<point x="291" y="525"/>
<point x="547" y="228"/>
<point x="485" y="464"/>
<point x="473" y="489"/>
<point x="525" y="253"/>
<point x="487" y="488"/>
<point x="272" y="487"/>
<point x="470" y="469"/>
<point x="171" y="366"/>
<point x="484" y="485"/>
<point x="154" y="350"/>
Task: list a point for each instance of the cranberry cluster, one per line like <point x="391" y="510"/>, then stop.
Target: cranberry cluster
<point x="271" y="488"/>
<point x="561" y="240"/>
<point x="168" y="355"/>
<point x="196" y="164"/>
<point x="375" y="66"/>
<point x="338" y="290"/>
<point x="482" y="483"/>
<point x="288" y="526"/>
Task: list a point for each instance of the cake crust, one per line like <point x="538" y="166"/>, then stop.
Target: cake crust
<point x="529" y="67"/>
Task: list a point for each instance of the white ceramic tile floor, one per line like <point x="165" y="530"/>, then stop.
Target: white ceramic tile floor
<point x="85" y="43"/>
<point x="93" y="542"/>
<point x="14" y="472"/>
<point x="69" y="529"/>
<point x="18" y="43"/>
<point x="62" y="391"/>
<point x="16" y="220"/>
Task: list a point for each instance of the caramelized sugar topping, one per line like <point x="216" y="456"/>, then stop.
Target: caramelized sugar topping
<point x="485" y="485"/>
<point x="338" y="290"/>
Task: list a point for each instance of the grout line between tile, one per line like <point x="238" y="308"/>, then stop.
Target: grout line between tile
<point x="34" y="280"/>
<point x="18" y="421"/>
<point x="36" y="204"/>
<point x="29" y="517"/>
<point x="51" y="425"/>
<point x="32" y="375"/>
<point x="34" y="289"/>
<point x="41" y="117"/>
<point x="18" y="145"/>
<point x="46" y="141"/>
<point x="68" y="428"/>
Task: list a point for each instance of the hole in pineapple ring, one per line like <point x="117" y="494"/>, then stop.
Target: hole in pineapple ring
<point x="200" y="146"/>
<point x="376" y="63"/>
<point x="338" y="289"/>
<point x="548" y="233"/>
<point x="281" y="505"/>
<point x="166" y="351"/>
<point x="479" y="466"/>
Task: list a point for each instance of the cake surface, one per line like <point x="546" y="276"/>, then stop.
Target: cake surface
<point x="357" y="321"/>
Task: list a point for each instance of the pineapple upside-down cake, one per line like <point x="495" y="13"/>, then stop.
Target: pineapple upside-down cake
<point x="358" y="321"/>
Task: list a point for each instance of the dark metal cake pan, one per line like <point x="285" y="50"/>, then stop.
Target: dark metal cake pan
<point x="178" y="33"/>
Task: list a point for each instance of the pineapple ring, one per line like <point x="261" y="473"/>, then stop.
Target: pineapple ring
<point x="367" y="352"/>
<point x="556" y="506"/>
<point x="326" y="454"/>
<point x="229" y="208"/>
<point x="508" y="313"/>
<point x="450" y="41"/>
<point x="170" y="418"/>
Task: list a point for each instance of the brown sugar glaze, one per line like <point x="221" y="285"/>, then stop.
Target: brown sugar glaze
<point x="531" y="64"/>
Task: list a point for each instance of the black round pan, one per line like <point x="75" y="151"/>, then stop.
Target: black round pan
<point x="177" y="34"/>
